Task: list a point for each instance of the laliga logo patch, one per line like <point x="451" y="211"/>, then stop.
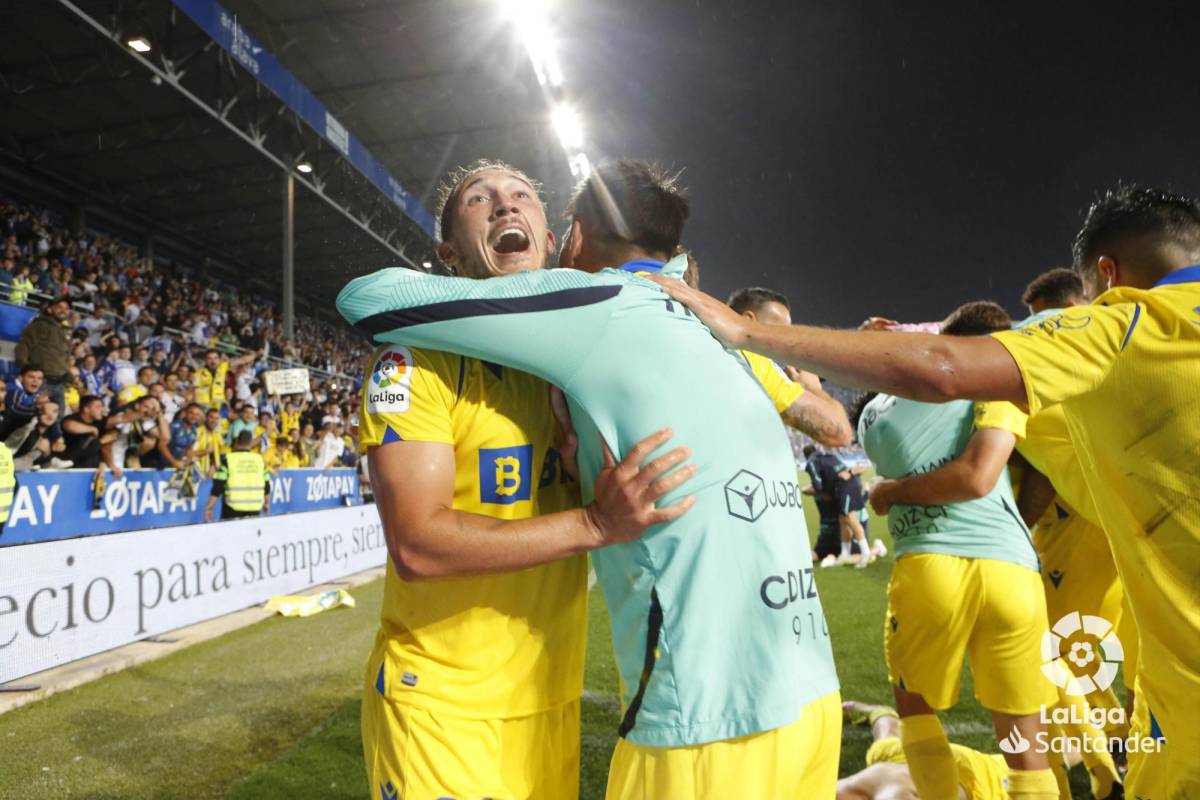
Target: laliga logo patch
<point x="1099" y="668"/>
<point x="388" y="388"/>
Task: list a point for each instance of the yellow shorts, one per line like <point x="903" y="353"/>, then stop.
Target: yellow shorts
<point x="1078" y="572"/>
<point x="941" y="608"/>
<point x="1162" y="769"/>
<point x="981" y="776"/>
<point x="800" y="760"/>
<point x="412" y="754"/>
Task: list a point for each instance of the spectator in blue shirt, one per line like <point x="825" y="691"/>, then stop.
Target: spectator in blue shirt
<point x="20" y="406"/>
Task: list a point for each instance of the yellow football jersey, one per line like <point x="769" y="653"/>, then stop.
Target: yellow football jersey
<point x="782" y="390"/>
<point x="1126" y="372"/>
<point x="132" y="392"/>
<point x="490" y="646"/>
<point x="210" y="386"/>
<point x="289" y="422"/>
<point x="1005" y="416"/>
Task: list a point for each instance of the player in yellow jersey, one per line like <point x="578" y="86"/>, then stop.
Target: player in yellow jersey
<point x="474" y="681"/>
<point x="1078" y="572"/>
<point x="1125" y="371"/>
<point x="797" y="395"/>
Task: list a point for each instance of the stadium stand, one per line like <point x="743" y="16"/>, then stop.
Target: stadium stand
<point x="138" y="327"/>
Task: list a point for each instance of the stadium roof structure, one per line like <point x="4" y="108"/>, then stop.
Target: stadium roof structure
<point x="190" y="143"/>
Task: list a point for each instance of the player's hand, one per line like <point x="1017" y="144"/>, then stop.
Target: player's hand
<point x="568" y="440"/>
<point x="725" y="323"/>
<point x="624" y="507"/>
<point x="208" y="514"/>
<point x="880" y="497"/>
<point x="877" y="324"/>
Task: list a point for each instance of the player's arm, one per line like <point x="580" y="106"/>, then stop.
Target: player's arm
<point x="918" y="366"/>
<point x="1035" y="495"/>
<point x="413" y="484"/>
<point x="968" y="477"/>
<point x="821" y="417"/>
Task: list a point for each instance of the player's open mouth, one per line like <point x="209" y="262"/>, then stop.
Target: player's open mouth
<point x="511" y="240"/>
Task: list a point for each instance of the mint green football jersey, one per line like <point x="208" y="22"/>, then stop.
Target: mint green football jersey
<point x="903" y="437"/>
<point x="716" y="623"/>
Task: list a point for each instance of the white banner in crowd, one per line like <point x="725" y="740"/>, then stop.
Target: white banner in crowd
<point x="286" y="381"/>
<point x="64" y="600"/>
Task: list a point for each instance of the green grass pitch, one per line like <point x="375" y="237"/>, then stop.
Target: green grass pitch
<point x="271" y="711"/>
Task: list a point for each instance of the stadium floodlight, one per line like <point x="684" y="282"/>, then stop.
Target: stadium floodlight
<point x="139" y="44"/>
<point x="531" y="18"/>
<point x="568" y="126"/>
<point x="304" y="167"/>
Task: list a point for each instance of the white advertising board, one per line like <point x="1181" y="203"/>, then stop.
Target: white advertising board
<point x="64" y="600"/>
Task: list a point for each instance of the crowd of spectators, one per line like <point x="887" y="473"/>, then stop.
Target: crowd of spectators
<point x="134" y="362"/>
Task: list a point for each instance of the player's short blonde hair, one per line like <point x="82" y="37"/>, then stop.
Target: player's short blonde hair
<point x="454" y="182"/>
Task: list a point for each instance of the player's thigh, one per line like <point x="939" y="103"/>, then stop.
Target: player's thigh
<point x="546" y="750"/>
<point x="798" y="760"/>
<point x="1161" y="767"/>
<point x="414" y="754"/>
<point x="932" y="602"/>
<point x="1005" y="647"/>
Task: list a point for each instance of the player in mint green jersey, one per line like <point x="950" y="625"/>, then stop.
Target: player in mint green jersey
<point x="717" y="627"/>
<point x="966" y="579"/>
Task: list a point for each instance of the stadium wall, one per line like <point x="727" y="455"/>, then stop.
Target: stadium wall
<point x="65" y="600"/>
<point x="60" y="504"/>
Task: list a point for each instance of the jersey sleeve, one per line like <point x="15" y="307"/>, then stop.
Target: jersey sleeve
<point x="1070" y="353"/>
<point x="408" y="395"/>
<point x="543" y="322"/>
<point x="782" y="390"/>
<point x="1001" y="415"/>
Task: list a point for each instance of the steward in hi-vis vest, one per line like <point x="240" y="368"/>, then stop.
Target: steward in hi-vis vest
<point x="243" y="480"/>
<point x="8" y="483"/>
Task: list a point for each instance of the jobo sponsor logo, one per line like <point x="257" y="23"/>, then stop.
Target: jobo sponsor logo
<point x="748" y="495"/>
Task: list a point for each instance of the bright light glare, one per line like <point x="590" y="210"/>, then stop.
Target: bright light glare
<point x="531" y="18"/>
<point x="568" y="126"/>
<point x="427" y="265"/>
<point x="139" y="43"/>
<point x="304" y="167"/>
<point x="581" y="166"/>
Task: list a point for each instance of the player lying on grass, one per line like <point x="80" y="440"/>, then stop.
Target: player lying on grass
<point x="887" y="775"/>
<point x="718" y="631"/>
<point x="1126" y="371"/>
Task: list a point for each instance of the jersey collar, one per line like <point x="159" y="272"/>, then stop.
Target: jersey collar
<point x="1186" y="275"/>
<point x="642" y="265"/>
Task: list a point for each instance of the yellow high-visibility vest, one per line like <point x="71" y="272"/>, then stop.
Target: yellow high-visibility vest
<point x="8" y="482"/>
<point x="245" y="480"/>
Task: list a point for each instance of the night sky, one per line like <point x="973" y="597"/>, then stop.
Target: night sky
<point x="883" y="158"/>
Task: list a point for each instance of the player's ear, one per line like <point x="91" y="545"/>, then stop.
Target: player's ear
<point x="573" y="246"/>
<point x="449" y="256"/>
<point x="1107" y="272"/>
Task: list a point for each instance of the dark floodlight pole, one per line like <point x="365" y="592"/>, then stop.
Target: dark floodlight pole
<point x="289" y="273"/>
